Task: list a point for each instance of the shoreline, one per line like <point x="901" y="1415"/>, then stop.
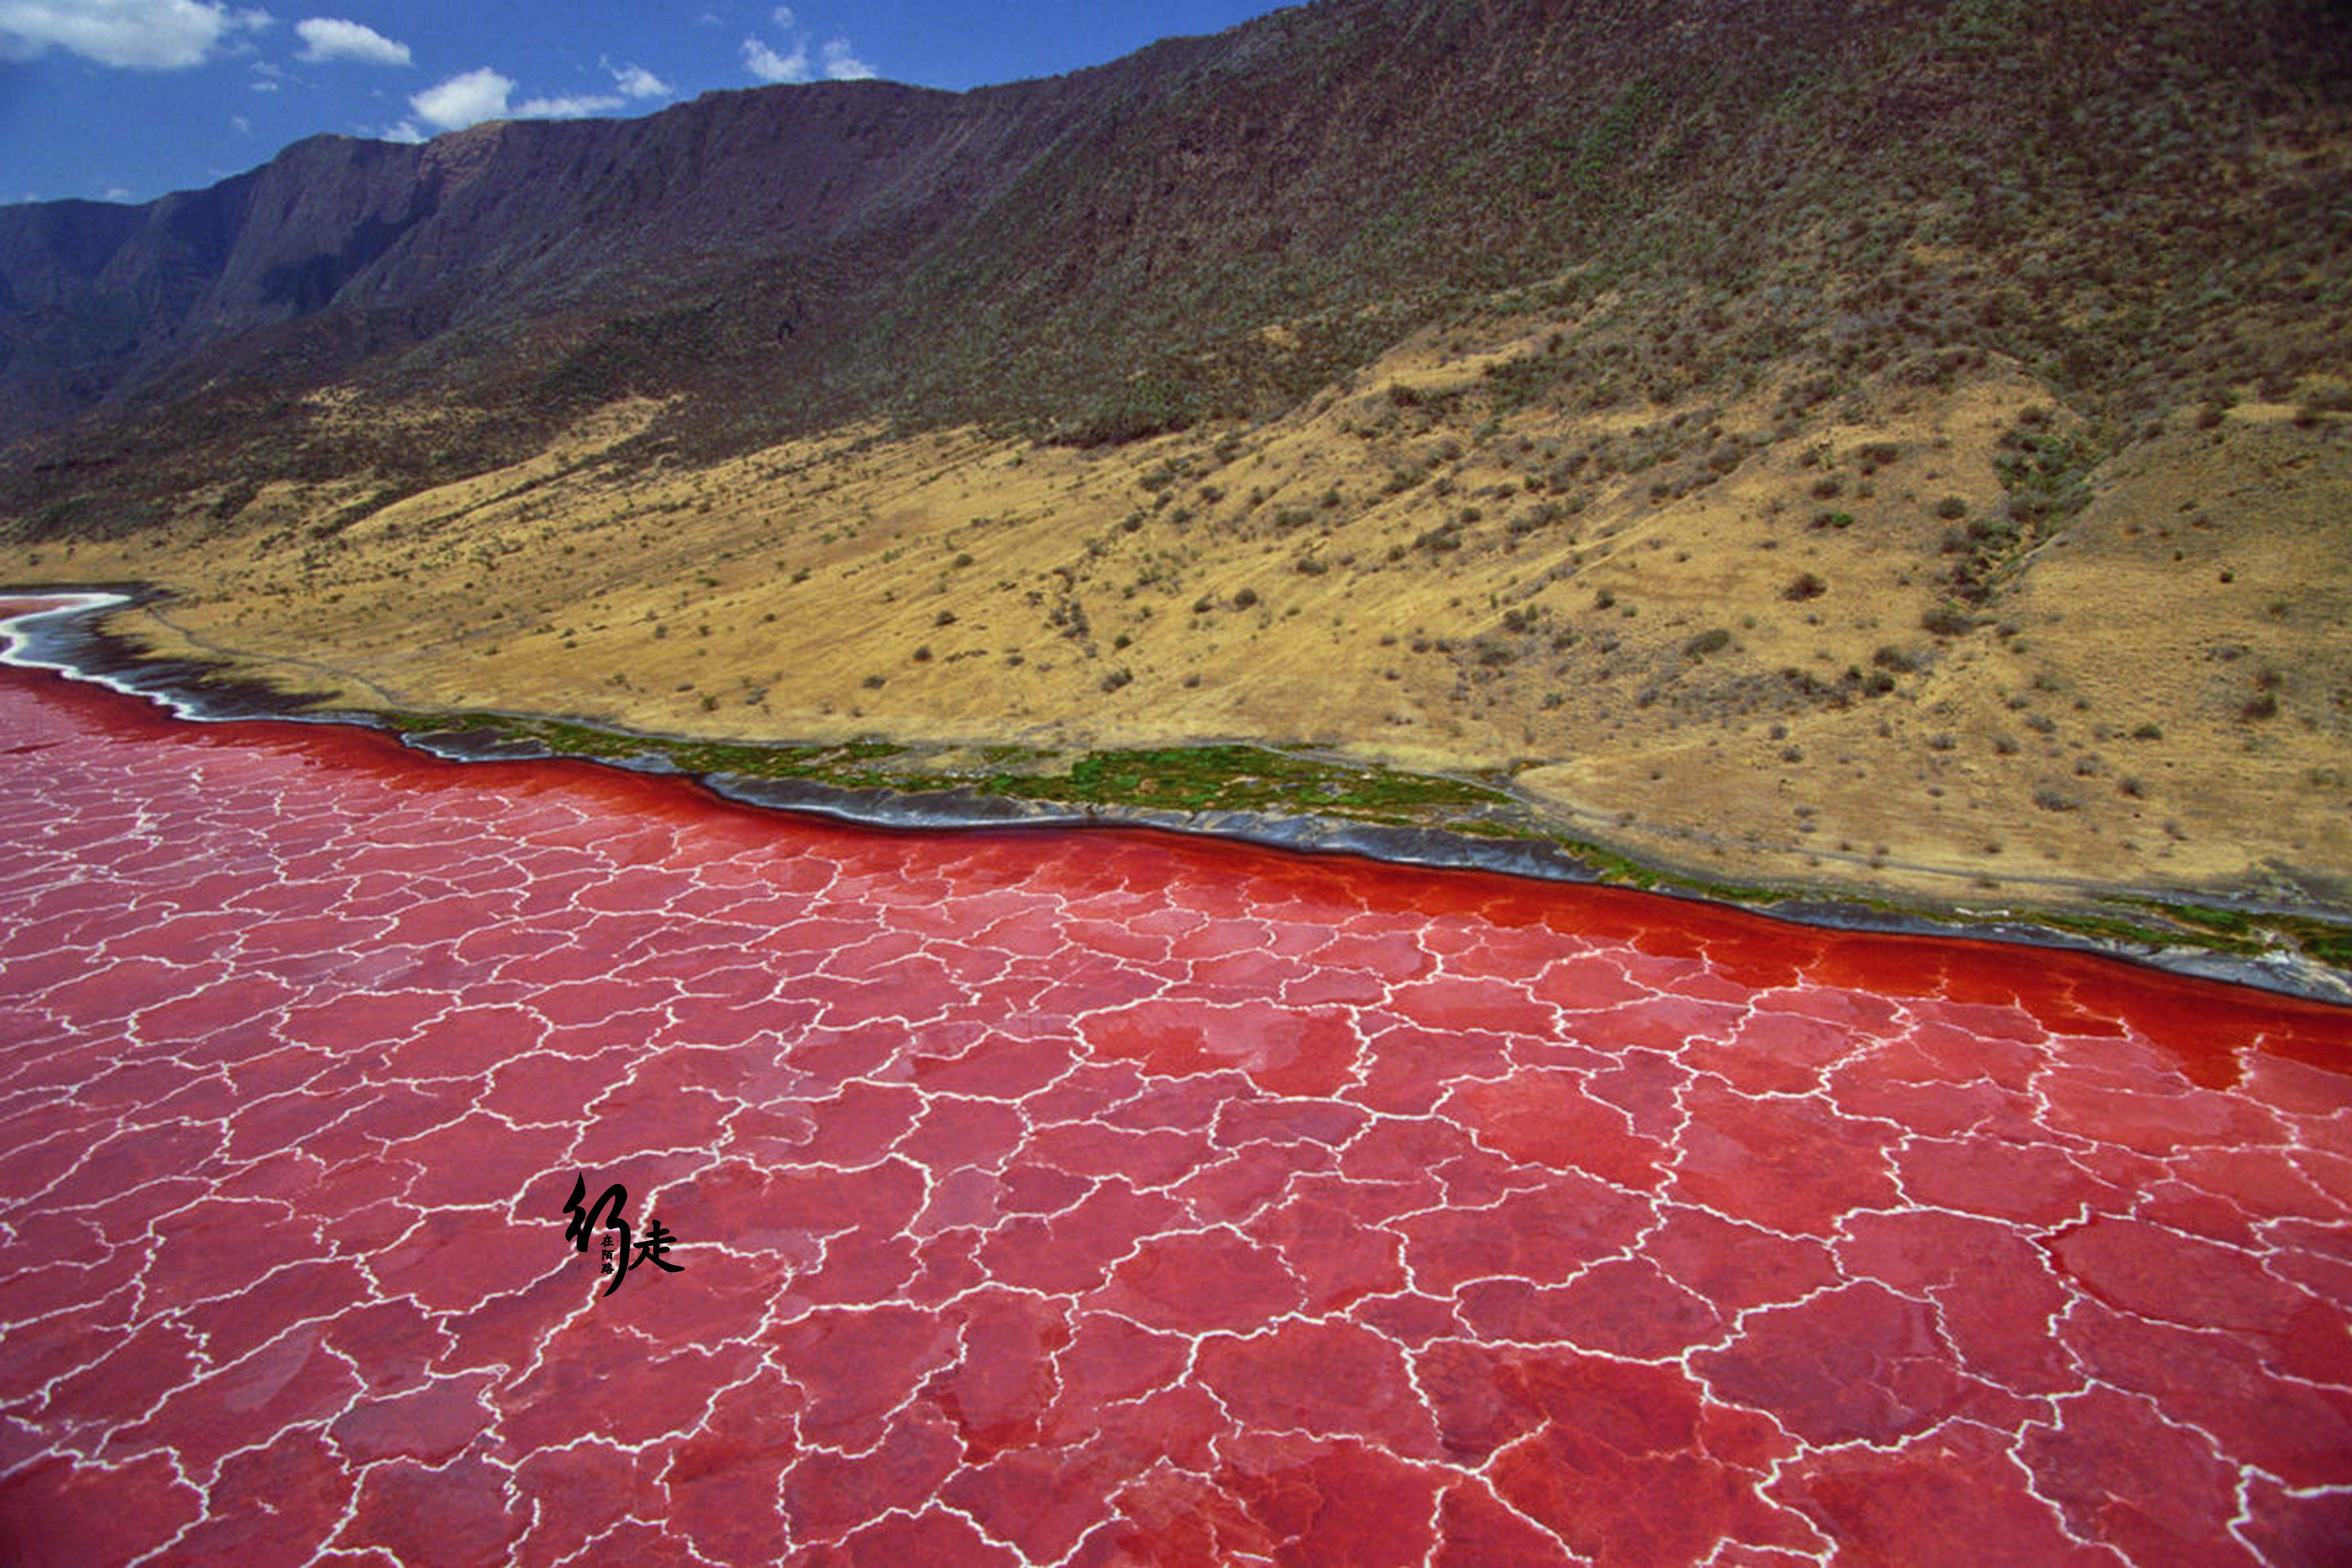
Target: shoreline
<point x="1495" y="835"/>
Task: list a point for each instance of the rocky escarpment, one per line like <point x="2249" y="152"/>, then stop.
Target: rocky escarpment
<point x="2137" y="200"/>
<point x="367" y="246"/>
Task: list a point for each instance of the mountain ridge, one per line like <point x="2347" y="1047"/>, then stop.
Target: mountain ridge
<point x="1054" y="236"/>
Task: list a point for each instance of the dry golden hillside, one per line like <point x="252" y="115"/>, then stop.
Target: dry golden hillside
<point x="1940" y="634"/>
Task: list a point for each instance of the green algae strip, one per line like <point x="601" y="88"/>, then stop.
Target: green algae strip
<point x="1184" y="778"/>
<point x="1241" y="778"/>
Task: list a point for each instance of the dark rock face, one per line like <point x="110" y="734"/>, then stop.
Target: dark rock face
<point x="489" y="225"/>
<point x="492" y="229"/>
<point x="1101" y="253"/>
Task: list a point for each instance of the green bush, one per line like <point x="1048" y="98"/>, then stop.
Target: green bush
<point x="1708" y="642"/>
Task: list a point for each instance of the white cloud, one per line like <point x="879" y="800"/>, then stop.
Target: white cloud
<point x="332" y="39"/>
<point x="635" y="81"/>
<point x="571" y="108"/>
<point x="840" y="64"/>
<point x="486" y="94"/>
<point x="117" y="195"/>
<point x="406" y="131"/>
<point x="463" y="101"/>
<point x="138" y="34"/>
<point x="243" y="126"/>
<point x="769" y="65"/>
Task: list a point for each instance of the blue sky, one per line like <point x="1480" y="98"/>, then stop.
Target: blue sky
<point x="125" y="100"/>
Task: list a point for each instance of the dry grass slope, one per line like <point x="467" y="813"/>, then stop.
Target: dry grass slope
<point x="1919" y="640"/>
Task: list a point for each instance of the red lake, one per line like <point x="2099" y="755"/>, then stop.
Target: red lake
<point x="1093" y="1198"/>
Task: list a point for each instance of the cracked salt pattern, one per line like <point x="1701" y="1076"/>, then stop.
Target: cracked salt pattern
<point x="1094" y="1199"/>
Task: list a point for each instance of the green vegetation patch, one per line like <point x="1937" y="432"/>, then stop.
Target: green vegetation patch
<point x="1186" y="778"/>
<point x="1244" y="778"/>
<point x="2322" y="940"/>
<point x="570" y="739"/>
<point x="2048" y="476"/>
<point x="2247" y="931"/>
<point x="1248" y="778"/>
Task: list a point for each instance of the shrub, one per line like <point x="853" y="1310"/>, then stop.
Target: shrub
<point x="1141" y="408"/>
<point x="1805" y="585"/>
<point x="1708" y="642"/>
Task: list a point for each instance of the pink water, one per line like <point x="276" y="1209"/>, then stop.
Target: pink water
<point x="1093" y="1198"/>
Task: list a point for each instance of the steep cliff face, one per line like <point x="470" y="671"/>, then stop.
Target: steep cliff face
<point x="486" y="227"/>
<point x="98" y="299"/>
<point x="1211" y="226"/>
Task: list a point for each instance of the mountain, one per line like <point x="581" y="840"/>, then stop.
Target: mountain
<point x="1106" y="248"/>
<point x="1889" y="406"/>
